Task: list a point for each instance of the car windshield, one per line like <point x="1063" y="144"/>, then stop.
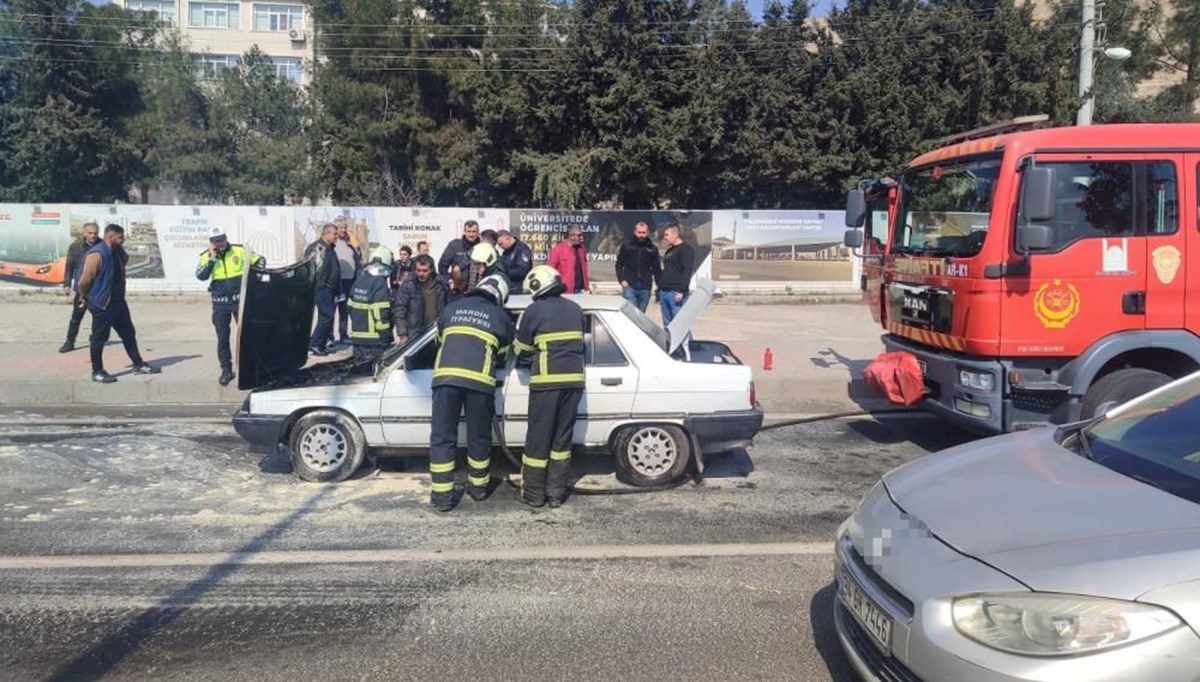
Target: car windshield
<point x="391" y="355"/>
<point x="945" y="208"/>
<point x="1156" y="441"/>
<point x="655" y="332"/>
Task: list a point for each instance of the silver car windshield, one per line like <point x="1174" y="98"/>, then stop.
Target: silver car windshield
<point x="1157" y="441"/>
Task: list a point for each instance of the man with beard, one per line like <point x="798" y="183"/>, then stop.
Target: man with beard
<point x="638" y="267"/>
<point x="91" y="235"/>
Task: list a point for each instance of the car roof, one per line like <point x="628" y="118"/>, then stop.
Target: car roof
<point x="585" y="301"/>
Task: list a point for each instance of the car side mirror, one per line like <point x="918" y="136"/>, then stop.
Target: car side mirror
<point x="853" y="239"/>
<point x="856" y="208"/>
<point x="1037" y="209"/>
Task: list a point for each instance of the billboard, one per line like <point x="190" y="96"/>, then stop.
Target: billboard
<point x="165" y="242"/>
<point x="605" y="231"/>
<point x="781" y="246"/>
<point x="34" y="240"/>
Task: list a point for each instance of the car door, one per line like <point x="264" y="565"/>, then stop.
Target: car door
<point x="1166" y="243"/>
<point x="611" y="381"/>
<point x="407" y="404"/>
<point x="1093" y="274"/>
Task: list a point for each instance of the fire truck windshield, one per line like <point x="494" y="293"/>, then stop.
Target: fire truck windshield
<point x="944" y="208"/>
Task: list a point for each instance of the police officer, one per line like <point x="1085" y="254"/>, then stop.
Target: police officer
<point x="225" y="264"/>
<point x="370" y="306"/>
<point x="473" y="332"/>
<point x="550" y="338"/>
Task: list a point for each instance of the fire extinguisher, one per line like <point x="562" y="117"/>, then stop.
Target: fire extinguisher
<point x="768" y="359"/>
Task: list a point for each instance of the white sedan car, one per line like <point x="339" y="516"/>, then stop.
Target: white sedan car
<point x="656" y="404"/>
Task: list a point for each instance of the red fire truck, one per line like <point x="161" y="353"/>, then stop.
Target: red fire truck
<point x="1037" y="274"/>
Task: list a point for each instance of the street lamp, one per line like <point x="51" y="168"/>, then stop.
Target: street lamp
<point x="1087" y="62"/>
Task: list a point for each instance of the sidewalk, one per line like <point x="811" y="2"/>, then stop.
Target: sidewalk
<point x="818" y="350"/>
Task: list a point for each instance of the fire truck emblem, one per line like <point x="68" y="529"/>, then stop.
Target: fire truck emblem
<point x="1056" y="304"/>
<point x="1166" y="263"/>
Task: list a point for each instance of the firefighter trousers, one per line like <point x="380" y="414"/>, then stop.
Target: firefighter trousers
<point x="449" y="402"/>
<point x="546" y="464"/>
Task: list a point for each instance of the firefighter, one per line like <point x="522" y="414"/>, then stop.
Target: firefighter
<point x="550" y="339"/>
<point x="473" y="332"/>
<point x="224" y="264"/>
<point x="483" y="260"/>
<point x="371" y="306"/>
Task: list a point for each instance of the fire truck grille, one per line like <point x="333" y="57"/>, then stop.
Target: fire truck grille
<point x="1036" y="401"/>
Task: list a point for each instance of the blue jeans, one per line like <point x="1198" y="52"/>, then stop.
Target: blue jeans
<point x="670" y="308"/>
<point x="638" y="297"/>
<point x="323" y="334"/>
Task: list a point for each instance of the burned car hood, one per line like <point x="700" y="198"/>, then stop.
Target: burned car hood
<point x="275" y="322"/>
<point x="1051" y="518"/>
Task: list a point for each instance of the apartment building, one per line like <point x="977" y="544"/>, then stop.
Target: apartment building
<point x="220" y="32"/>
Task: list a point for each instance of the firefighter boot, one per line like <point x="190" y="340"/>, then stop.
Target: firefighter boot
<point x="533" y="481"/>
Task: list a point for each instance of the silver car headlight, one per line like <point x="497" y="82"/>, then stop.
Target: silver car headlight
<point x="1056" y="624"/>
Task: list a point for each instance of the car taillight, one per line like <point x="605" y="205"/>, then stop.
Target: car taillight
<point x="753" y="402"/>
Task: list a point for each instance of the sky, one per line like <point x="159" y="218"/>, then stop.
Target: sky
<point x="819" y="7"/>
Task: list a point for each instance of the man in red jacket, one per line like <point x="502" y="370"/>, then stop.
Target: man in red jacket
<point x="569" y="257"/>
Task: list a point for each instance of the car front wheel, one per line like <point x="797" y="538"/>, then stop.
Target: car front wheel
<point x="326" y="446"/>
<point x="650" y="455"/>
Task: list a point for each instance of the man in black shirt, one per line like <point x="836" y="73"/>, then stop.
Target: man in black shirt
<point x="638" y="267"/>
<point x="678" y="265"/>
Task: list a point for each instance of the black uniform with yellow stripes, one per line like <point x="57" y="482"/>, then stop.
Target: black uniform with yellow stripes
<point x="550" y="338"/>
<point x="474" y="334"/>
<point x="371" y="310"/>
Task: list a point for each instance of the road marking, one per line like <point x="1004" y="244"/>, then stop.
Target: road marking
<point x="400" y="556"/>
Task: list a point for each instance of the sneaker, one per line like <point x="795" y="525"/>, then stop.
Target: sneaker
<point x="554" y="504"/>
<point x="67" y="347"/>
<point x="226" y="377"/>
<point x="103" y="377"/>
<point x="146" y="369"/>
<point x="532" y="503"/>
<point x="318" y="351"/>
<point x="478" y="493"/>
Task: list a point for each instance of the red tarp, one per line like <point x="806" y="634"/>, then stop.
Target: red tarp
<point x="898" y="376"/>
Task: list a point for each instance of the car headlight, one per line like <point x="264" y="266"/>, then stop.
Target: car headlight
<point x="981" y="381"/>
<point x="1057" y="624"/>
<point x="43" y="270"/>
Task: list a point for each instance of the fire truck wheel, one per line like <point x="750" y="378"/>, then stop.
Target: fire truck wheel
<point x="1121" y="386"/>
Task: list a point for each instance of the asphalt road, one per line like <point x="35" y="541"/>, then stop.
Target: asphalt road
<point x="166" y="551"/>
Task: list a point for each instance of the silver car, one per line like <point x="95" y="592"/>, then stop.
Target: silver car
<point x="1056" y="554"/>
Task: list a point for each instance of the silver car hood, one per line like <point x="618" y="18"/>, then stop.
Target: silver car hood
<point x="1050" y="518"/>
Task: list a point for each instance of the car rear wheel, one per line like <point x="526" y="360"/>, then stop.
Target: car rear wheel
<point x="1121" y="386"/>
<point x="650" y="455"/>
<point x="326" y="446"/>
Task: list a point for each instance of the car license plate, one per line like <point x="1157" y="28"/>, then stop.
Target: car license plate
<point x="869" y="615"/>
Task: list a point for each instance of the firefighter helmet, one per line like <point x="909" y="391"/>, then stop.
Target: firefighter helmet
<point x="384" y="255"/>
<point x="542" y="280"/>
<point x="495" y="287"/>
<point x="485" y="253"/>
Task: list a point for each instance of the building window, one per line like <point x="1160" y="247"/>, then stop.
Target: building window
<point x="288" y="68"/>
<point x="213" y="15"/>
<point x="162" y="10"/>
<point x="278" y="17"/>
<point x="211" y="66"/>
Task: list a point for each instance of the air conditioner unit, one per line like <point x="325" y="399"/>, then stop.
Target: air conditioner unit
<point x="296" y="34"/>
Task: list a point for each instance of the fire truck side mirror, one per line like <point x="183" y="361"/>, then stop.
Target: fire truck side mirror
<point x="856" y="208"/>
<point x="853" y="239"/>
<point x="1037" y="209"/>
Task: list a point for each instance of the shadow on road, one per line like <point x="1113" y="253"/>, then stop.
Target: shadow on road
<point x="926" y="432"/>
<point x="825" y="639"/>
<point x="108" y="653"/>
